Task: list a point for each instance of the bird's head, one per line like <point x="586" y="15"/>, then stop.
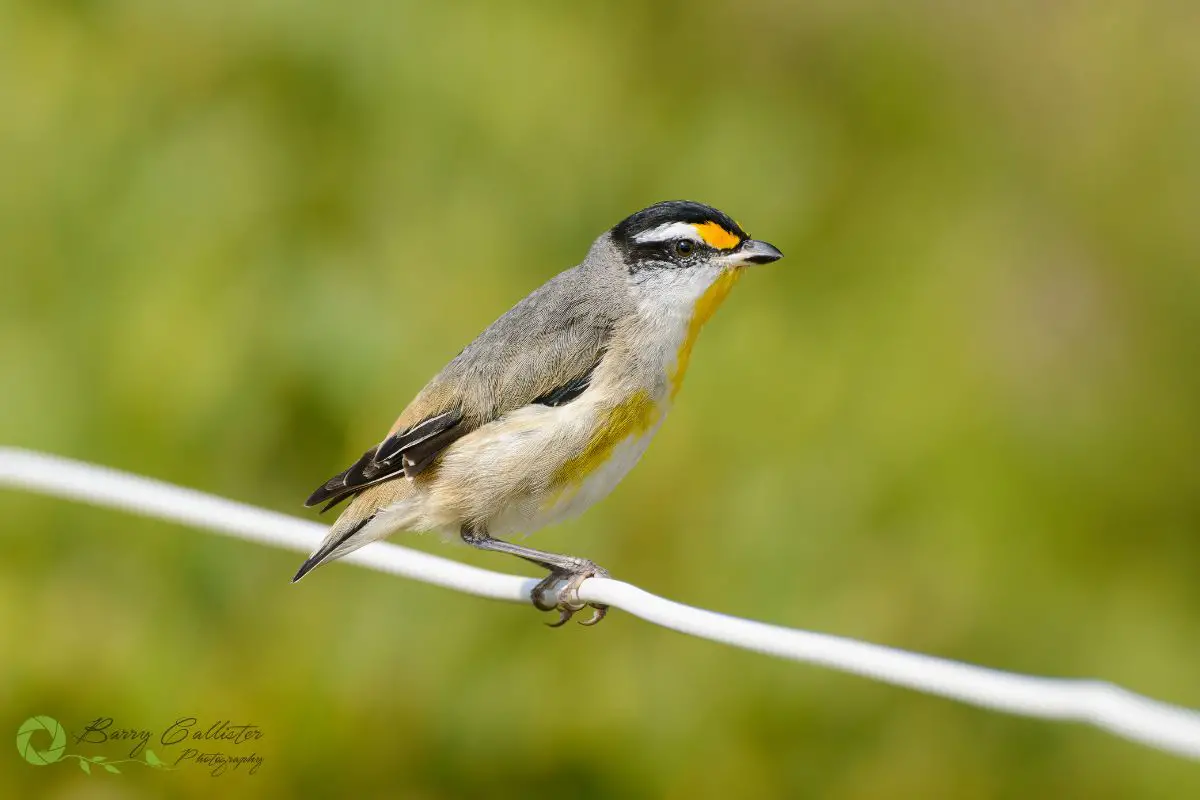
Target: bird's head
<point x="678" y="252"/>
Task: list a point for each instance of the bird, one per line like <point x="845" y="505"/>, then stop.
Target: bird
<point x="548" y="409"/>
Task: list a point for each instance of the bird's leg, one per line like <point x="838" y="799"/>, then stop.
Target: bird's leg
<point x="562" y="567"/>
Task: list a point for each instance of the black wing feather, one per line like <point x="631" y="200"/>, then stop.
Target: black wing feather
<point x="421" y="432"/>
<point x="561" y="395"/>
<point x="404" y="453"/>
<point x="422" y="454"/>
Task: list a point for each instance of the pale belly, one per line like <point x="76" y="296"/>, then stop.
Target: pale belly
<point x="526" y="471"/>
<point x="571" y="500"/>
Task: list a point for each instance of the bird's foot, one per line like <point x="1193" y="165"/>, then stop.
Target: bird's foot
<point x="566" y="601"/>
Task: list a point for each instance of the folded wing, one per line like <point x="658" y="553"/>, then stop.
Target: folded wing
<point x="543" y="351"/>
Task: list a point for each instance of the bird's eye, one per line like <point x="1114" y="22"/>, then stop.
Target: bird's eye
<point x="683" y="247"/>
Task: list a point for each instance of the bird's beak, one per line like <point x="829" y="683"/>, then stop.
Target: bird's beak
<point x="752" y="251"/>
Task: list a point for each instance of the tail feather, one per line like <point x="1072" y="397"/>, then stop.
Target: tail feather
<point x="350" y="531"/>
<point x="328" y="550"/>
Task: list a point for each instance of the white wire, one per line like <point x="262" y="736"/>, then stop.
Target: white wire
<point x="1166" y="727"/>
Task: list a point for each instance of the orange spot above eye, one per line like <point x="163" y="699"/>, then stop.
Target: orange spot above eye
<point x="716" y="236"/>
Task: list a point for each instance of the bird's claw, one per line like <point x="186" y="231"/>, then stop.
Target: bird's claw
<point x="568" y="603"/>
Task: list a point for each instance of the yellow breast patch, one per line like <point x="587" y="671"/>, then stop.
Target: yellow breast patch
<point x="705" y="307"/>
<point x="631" y="417"/>
<point x="716" y="236"/>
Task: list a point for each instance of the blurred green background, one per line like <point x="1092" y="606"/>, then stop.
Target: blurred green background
<point x="236" y="238"/>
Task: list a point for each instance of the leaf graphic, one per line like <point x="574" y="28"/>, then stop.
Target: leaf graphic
<point x="85" y="766"/>
<point x="111" y="768"/>
<point x="99" y="758"/>
<point x="152" y="759"/>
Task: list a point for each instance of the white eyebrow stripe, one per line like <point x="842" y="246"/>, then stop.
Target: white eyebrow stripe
<point x="669" y="231"/>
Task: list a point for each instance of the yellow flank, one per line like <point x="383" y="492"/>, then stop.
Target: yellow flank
<point x="716" y="236"/>
<point x="706" y="306"/>
<point x="631" y="417"/>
